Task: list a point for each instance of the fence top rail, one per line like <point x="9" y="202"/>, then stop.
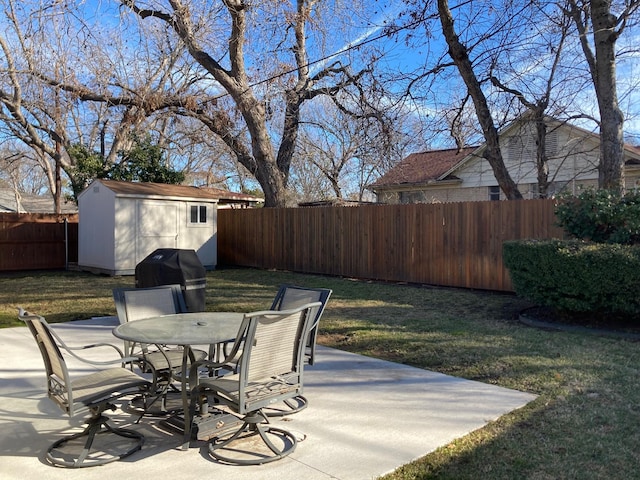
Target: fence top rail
<point x="12" y="217"/>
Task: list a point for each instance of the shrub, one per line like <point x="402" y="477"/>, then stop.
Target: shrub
<point x="602" y="216"/>
<point x="576" y="276"/>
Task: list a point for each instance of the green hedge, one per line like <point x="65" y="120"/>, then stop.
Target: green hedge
<point x="601" y="216"/>
<point x="576" y="276"/>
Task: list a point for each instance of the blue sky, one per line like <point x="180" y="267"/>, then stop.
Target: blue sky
<point x="405" y="58"/>
<point x="367" y="26"/>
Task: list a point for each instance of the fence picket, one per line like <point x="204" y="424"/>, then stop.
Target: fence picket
<point x="30" y="241"/>
<point x="448" y="244"/>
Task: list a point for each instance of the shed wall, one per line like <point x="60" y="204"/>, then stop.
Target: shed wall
<point x="201" y="238"/>
<point x="96" y="228"/>
<point x="117" y="232"/>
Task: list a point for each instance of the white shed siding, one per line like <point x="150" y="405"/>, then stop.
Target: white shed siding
<point x="157" y="227"/>
<point x="200" y="237"/>
<point x="96" y="227"/>
<point x="118" y="231"/>
<point x="125" y="235"/>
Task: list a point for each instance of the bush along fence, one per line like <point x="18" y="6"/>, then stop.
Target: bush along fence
<point x="31" y="241"/>
<point x="448" y="244"/>
<point x="576" y="276"/>
<point x="598" y="271"/>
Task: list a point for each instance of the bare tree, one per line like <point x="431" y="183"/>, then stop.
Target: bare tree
<point x="541" y="55"/>
<point x="459" y="53"/>
<point x="606" y="28"/>
<point x="247" y="129"/>
<point x="19" y="173"/>
<point x="32" y="111"/>
<point x="348" y="149"/>
<point x="91" y="91"/>
<point x="480" y="31"/>
<point x="19" y="168"/>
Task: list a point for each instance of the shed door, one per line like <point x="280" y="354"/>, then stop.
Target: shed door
<point x="157" y="227"/>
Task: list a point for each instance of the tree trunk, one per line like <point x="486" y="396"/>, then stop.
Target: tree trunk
<point x="57" y="194"/>
<point x="611" y="119"/>
<point x="492" y="153"/>
<point x="272" y="183"/>
<point x="542" y="161"/>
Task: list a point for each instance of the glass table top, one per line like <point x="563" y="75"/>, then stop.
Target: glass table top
<point x="183" y="328"/>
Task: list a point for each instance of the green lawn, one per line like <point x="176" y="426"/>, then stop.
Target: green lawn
<point x="584" y="424"/>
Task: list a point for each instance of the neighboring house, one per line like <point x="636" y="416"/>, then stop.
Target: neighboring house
<point x="18" y="202"/>
<point x="464" y="175"/>
<point x="227" y="199"/>
<point x="121" y="223"/>
<point x="334" y="202"/>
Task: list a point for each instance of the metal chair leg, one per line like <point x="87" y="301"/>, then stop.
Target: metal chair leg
<point x="97" y="425"/>
<point x="287" y="407"/>
<point x="256" y="424"/>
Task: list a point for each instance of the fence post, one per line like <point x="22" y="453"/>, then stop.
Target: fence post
<point x="66" y="243"/>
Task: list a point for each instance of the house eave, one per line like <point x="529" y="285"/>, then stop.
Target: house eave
<point x="402" y="187"/>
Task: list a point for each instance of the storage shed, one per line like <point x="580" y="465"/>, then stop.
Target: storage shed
<point x="120" y="223"/>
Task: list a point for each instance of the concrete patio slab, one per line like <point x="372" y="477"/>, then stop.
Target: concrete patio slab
<point x="366" y="417"/>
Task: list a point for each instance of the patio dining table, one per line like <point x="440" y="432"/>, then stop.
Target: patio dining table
<point x="186" y="330"/>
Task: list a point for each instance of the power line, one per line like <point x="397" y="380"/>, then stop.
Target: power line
<point x="350" y="47"/>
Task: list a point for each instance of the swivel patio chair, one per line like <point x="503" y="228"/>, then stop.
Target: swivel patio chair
<point x="136" y="304"/>
<point x="270" y="370"/>
<point x="94" y="393"/>
<point x="292" y="296"/>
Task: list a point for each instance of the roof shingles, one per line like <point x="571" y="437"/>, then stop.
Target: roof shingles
<point x="423" y="167"/>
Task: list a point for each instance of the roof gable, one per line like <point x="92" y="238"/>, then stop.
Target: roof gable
<point x="423" y="167"/>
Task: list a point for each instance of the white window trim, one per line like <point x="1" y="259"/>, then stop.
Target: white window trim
<point x="199" y="224"/>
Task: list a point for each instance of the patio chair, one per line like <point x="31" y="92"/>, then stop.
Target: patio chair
<point x="292" y="296"/>
<point x="270" y="370"/>
<point x="94" y="393"/>
<point x="135" y="304"/>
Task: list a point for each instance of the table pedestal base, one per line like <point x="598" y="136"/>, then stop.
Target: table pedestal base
<point x="205" y="427"/>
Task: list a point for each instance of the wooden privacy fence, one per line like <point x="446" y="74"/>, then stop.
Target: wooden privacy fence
<point x="449" y="244"/>
<point x="30" y="241"/>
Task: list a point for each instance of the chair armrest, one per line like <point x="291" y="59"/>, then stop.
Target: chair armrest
<point x="71" y="350"/>
<point x="95" y="345"/>
<point x="208" y="364"/>
<point x="120" y="360"/>
<point x="203" y="364"/>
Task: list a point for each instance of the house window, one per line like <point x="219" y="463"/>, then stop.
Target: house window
<point x="551" y="143"/>
<point x="494" y="193"/>
<point x="198" y="214"/>
<point x="411" y="197"/>
<point x="556" y="188"/>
